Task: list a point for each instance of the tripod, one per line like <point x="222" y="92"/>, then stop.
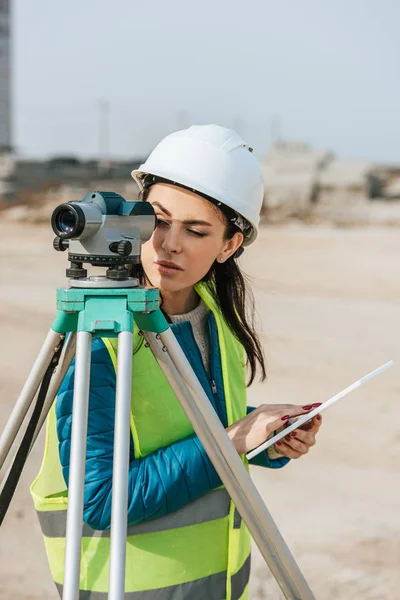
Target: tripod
<point x="97" y="306"/>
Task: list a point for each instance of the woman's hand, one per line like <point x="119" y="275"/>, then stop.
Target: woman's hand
<point x="256" y="427"/>
<point x="298" y="442"/>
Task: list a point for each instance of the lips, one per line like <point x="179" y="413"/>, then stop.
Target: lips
<point x="167" y="266"/>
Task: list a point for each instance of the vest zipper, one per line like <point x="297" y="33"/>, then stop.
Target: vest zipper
<point x="213" y="387"/>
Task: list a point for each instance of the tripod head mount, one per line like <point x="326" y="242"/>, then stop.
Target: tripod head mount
<point x="103" y="230"/>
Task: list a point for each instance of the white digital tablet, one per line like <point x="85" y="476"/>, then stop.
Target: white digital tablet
<point x="303" y="419"/>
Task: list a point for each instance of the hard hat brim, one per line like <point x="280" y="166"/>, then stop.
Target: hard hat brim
<point x="140" y="174"/>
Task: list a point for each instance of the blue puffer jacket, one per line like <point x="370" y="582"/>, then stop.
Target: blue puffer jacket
<point x="166" y="479"/>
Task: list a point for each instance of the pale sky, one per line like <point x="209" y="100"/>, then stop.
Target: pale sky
<point x="321" y="71"/>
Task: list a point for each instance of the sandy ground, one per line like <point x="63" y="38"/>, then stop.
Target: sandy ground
<point x="328" y="302"/>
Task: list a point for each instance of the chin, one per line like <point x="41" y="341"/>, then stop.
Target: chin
<point x="168" y="286"/>
<point x="164" y="283"/>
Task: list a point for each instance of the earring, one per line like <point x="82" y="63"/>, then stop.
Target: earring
<point x="221" y="259"/>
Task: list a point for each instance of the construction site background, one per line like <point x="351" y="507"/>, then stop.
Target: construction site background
<point x="301" y="183"/>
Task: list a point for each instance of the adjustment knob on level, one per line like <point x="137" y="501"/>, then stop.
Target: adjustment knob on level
<point x="60" y="245"/>
<point x="123" y="248"/>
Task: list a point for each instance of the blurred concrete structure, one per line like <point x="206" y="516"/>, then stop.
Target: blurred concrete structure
<point x="392" y="190"/>
<point x="38" y="206"/>
<point x="30" y="179"/>
<point x="291" y="172"/>
<point x="390" y="175"/>
<point x="298" y="179"/>
<point x="7" y="166"/>
<point x="347" y="182"/>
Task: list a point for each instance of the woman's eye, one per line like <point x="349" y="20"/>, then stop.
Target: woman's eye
<point x="161" y="223"/>
<point x="198" y="233"/>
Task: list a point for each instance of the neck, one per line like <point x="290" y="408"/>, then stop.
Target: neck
<point x="178" y="303"/>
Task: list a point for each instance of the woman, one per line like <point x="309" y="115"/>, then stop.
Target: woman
<point x="185" y="539"/>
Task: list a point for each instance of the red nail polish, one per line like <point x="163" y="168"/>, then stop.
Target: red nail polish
<point x="308" y="407"/>
<point x="293" y="434"/>
<point x="279" y="443"/>
<point x="319" y="417"/>
<point x="287" y="437"/>
<point x="285" y="418"/>
<point x="317" y="404"/>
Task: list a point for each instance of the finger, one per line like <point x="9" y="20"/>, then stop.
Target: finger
<point x="281" y="428"/>
<point x="309" y="423"/>
<point x="278" y="407"/>
<point x="297" y="444"/>
<point x="306" y="437"/>
<point x="287" y="450"/>
<point x="288" y="411"/>
<point x="307" y="426"/>
<point x="313" y="425"/>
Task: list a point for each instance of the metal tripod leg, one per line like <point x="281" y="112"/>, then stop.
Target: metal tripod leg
<point x="120" y="467"/>
<point x="77" y="465"/>
<point x="58" y="376"/>
<point x="227" y="462"/>
<point x="13" y="472"/>
<point x="27" y="395"/>
<point x="122" y="433"/>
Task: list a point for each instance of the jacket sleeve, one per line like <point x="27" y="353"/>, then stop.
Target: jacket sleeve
<point x="263" y="459"/>
<point x="159" y="483"/>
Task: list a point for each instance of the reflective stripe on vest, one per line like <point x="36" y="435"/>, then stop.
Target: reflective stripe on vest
<point x="210" y="507"/>
<point x="212" y="586"/>
<point x="201" y="550"/>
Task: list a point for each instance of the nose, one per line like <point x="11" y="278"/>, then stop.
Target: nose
<point x="171" y="242"/>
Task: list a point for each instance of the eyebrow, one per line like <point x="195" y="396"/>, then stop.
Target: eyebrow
<point x="187" y="222"/>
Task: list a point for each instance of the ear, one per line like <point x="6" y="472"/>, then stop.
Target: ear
<point x="230" y="246"/>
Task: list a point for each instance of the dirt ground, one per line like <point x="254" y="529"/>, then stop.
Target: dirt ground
<point x="329" y="306"/>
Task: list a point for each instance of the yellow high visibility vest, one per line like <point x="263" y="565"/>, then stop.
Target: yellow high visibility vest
<point x="201" y="551"/>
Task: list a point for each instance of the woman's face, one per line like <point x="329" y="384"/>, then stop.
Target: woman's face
<point x="188" y="239"/>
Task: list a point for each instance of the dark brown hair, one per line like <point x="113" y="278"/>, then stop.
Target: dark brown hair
<point x="228" y="286"/>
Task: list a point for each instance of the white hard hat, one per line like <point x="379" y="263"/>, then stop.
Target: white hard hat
<point x="213" y="161"/>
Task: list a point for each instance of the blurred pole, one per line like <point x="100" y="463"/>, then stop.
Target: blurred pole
<point x="104" y="133"/>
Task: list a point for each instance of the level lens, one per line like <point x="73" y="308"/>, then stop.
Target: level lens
<point x="66" y="221"/>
